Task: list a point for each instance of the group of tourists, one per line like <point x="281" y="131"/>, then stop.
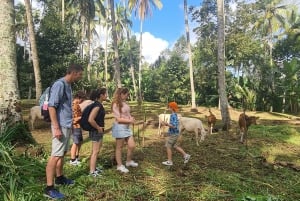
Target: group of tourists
<point x="66" y="113"/>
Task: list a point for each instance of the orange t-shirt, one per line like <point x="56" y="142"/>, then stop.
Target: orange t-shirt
<point x="76" y="113"/>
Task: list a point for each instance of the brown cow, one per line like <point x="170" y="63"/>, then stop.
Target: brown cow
<point x="211" y="121"/>
<point x="244" y="123"/>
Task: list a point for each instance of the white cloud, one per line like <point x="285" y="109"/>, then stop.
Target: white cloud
<point x="152" y="46"/>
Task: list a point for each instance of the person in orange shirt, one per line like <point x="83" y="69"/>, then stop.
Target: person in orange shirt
<point x="77" y="131"/>
<point x="173" y="135"/>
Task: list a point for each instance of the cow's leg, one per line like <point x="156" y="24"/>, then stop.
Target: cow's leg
<point x="197" y="136"/>
<point x="159" y="126"/>
<point x="242" y="131"/>
<point x="202" y="133"/>
<point x="32" y="120"/>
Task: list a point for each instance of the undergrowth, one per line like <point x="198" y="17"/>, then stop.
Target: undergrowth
<point x="220" y="169"/>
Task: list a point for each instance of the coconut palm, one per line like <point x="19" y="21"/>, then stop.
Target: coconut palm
<point x="85" y="16"/>
<point x="21" y="25"/>
<point x="117" y="76"/>
<point x="124" y="25"/>
<point x="221" y="66"/>
<point x="128" y="35"/>
<point x="142" y="8"/>
<point x="272" y="20"/>
<point x="34" y="53"/>
<point x="187" y="31"/>
<point x="9" y="93"/>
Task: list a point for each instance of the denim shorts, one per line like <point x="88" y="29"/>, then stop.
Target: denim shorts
<point x="121" y="130"/>
<point x="95" y="136"/>
<point x="77" y="135"/>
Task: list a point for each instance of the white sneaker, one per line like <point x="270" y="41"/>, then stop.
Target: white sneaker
<point x="76" y="162"/>
<point x="168" y="163"/>
<point x="99" y="170"/>
<point x="132" y="164"/>
<point x="186" y="158"/>
<point x="122" y="169"/>
<point x="95" y="174"/>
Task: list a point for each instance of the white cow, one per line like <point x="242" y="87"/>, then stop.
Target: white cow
<point x="162" y="119"/>
<point x="34" y="114"/>
<point x="192" y="125"/>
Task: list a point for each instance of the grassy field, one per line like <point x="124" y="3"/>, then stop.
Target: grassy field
<point x="267" y="168"/>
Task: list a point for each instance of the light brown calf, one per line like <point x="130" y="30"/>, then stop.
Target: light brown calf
<point x="211" y="121"/>
<point x="244" y="122"/>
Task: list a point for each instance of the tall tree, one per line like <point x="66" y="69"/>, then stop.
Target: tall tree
<point x="271" y="21"/>
<point x="128" y="35"/>
<point x="117" y="76"/>
<point x="187" y="31"/>
<point x="143" y="8"/>
<point x="221" y="66"/>
<point x="9" y="93"/>
<point x="34" y="53"/>
<point x="21" y="25"/>
<point x="86" y="16"/>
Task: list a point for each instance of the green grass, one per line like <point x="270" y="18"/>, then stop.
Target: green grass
<point x="220" y="169"/>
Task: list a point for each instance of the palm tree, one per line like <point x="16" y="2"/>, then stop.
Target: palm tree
<point x="272" y="20"/>
<point x="35" y="59"/>
<point x="21" y="24"/>
<point x="86" y="16"/>
<point x="9" y="93"/>
<point x="106" y="24"/>
<point x="293" y="25"/>
<point x="143" y="8"/>
<point x="62" y="11"/>
<point x="128" y="24"/>
<point x="221" y="66"/>
<point x="117" y="76"/>
<point x="187" y="31"/>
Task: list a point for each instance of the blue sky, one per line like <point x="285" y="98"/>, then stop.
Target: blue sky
<point x="167" y="23"/>
<point x="163" y="28"/>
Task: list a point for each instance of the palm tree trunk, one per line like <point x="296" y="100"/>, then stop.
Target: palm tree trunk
<point x="35" y="59"/>
<point x="130" y="56"/>
<point x="190" y="57"/>
<point x="89" y="66"/>
<point x="221" y="66"/>
<point x="140" y="62"/>
<point x="117" y="76"/>
<point x="9" y="96"/>
<point x="62" y="11"/>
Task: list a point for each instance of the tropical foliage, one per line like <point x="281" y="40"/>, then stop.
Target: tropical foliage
<point x="254" y="51"/>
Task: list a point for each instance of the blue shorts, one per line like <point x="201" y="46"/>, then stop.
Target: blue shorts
<point x="121" y="130"/>
<point x="77" y="136"/>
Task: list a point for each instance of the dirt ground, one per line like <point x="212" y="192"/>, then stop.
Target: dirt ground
<point x="220" y="153"/>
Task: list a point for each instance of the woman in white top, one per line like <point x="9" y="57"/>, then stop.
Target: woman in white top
<point x="121" y="130"/>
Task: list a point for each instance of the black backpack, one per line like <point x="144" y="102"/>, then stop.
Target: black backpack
<point x="84" y="121"/>
<point x="43" y="101"/>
